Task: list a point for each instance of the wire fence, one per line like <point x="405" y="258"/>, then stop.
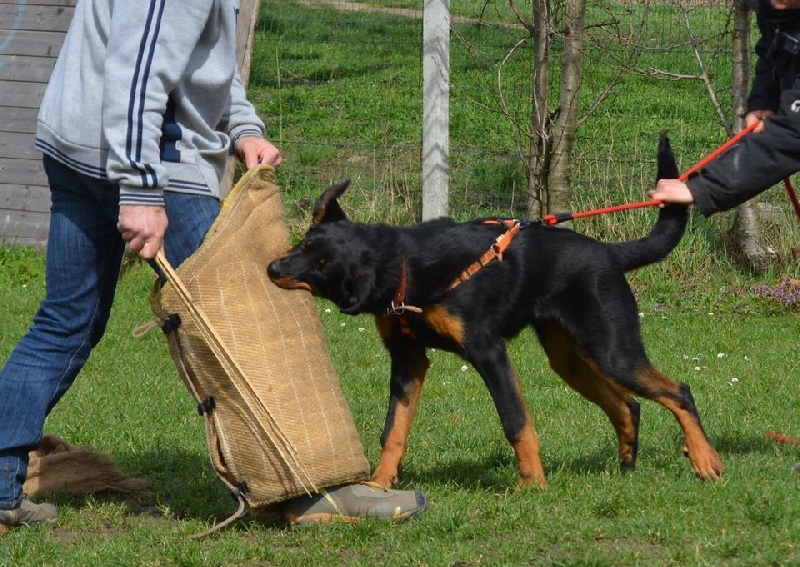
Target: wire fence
<point x="339" y="86"/>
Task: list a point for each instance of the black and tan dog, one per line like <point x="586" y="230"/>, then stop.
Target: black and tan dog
<point x="468" y="287"/>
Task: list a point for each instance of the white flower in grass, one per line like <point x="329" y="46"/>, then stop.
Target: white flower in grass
<point x="464" y="368"/>
<point x="720" y="355"/>
<point x="733" y="381"/>
<point x="342" y="324"/>
<point x="327" y="310"/>
<point x="361" y="329"/>
<point x="641" y="315"/>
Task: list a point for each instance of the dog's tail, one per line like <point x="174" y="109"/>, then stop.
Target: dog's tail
<point x="667" y="232"/>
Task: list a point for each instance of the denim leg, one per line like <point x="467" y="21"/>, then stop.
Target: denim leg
<point x="190" y="217"/>
<point x="84" y="254"/>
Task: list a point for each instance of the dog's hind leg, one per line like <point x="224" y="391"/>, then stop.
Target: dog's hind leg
<point x="409" y="366"/>
<point x="627" y="369"/>
<point x="494" y="366"/>
<point x="677" y="398"/>
<point x="585" y="378"/>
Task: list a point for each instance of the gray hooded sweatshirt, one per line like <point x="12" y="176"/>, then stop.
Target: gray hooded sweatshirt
<point x="147" y="94"/>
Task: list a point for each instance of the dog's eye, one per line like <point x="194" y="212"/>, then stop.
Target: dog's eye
<point x="321" y="264"/>
<point x="308" y="244"/>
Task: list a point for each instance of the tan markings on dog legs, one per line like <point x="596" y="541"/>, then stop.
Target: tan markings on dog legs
<point x="526" y="448"/>
<point x="586" y="379"/>
<point x="704" y="458"/>
<point x="394" y="445"/>
<point x="393" y="451"/>
<point x="445" y="323"/>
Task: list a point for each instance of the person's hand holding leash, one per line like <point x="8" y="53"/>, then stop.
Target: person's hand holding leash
<point x="676" y="191"/>
<point x="757" y="117"/>
<point x="672" y="191"/>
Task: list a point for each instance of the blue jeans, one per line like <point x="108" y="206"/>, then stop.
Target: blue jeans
<point x="84" y="255"/>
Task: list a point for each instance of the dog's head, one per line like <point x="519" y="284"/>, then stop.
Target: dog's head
<point x="333" y="259"/>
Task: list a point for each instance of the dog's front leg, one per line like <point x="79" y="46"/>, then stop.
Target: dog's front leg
<point x="409" y="365"/>
<point x="494" y="366"/>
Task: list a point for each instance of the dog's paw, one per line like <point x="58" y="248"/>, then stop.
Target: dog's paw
<point x="707" y="464"/>
<point x="531" y="481"/>
<point x="384" y="480"/>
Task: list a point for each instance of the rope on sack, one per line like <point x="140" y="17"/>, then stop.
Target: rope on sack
<point x="285" y="449"/>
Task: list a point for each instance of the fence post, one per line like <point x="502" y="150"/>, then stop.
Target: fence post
<point x="245" y="37"/>
<point x="436" y="108"/>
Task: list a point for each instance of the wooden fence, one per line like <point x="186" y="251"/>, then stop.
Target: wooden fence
<point x="31" y="34"/>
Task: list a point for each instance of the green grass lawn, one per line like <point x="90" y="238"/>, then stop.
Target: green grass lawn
<point x="742" y="369"/>
<point x="340" y="93"/>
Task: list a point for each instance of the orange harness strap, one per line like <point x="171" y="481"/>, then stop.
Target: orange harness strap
<point x="496" y="250"/>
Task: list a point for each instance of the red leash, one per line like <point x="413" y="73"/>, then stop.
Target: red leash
<point x="781" y="438"/>
<point x="555" y="218"/>
<point x="792" y="197"/>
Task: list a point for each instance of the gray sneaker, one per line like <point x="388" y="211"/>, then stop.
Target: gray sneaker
<point x="352" y="502"/>
<point x="28" y="513"/>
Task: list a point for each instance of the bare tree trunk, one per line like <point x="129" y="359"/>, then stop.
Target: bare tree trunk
<point x="566" y="124"/>
<point x="745" y="233"/>
<point x="740" y="54"/>
<point x="540" y="87"/>
<point x="553" y="131"/>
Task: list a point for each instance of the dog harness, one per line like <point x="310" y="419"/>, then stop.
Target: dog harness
<point x="496" y="250"/>
<point x="398" y="306"/>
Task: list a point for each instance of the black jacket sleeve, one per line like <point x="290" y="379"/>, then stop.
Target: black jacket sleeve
<point x="755" y="164"/>
<point x="759" y="161"/>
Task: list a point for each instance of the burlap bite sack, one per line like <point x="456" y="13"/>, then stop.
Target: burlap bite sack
<point x="277" y="423"/>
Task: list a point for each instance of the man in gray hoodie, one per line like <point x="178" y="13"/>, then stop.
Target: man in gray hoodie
<point x="143" y="107"/>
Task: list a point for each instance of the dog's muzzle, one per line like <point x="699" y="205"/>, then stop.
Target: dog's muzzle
<point x="282" y="280"/>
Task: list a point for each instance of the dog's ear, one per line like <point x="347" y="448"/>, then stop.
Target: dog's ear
<point x="667" y="167"/>
<point x="327" y="208"/>
<point x="358" y="287"/>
